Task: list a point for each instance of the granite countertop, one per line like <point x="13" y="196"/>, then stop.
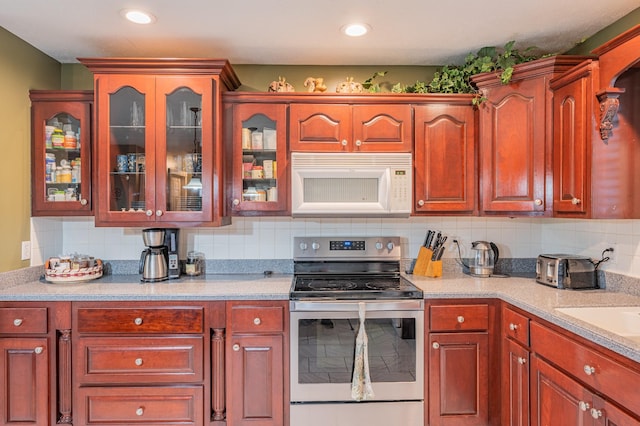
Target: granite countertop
<point x="524" y="293"/>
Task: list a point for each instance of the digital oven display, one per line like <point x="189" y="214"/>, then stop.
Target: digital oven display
<point x="346" y="245"/>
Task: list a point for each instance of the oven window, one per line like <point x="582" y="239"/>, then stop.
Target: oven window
<point x="326" y="350"/>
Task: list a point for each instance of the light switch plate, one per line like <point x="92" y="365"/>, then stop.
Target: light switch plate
<point x="26" y="250"/>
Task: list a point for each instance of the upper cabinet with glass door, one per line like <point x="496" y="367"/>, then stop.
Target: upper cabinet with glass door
<point x="160" y="160"/>
<point x="61" y="153"/>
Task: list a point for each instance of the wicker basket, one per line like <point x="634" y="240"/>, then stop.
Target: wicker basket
<point x="73" y="275"/>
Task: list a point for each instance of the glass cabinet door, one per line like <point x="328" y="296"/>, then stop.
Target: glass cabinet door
<point x="61" y="146"/>
<point x="259" y="140"/>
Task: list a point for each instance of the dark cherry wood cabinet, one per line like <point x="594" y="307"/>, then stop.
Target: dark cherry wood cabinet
<point x="347" y="124"/>
<point x="257" y="364"/>
<point x="256" y="135"/>
<point x="160" y="157"/>
<point x="61" y="168"/>
<point x="445" y="160"/>
<point x="515" y="368"/>
<point x="459" y="369"/>
<point x="515" y="137"/>
<point x="35" y="366"/>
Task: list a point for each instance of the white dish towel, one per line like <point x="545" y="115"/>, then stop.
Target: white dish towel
<point x="361" y="382"/>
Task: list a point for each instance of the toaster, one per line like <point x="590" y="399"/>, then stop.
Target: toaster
<point x="566" y="271"/>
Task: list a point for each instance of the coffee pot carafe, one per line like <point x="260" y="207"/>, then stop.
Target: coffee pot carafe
<point x="484" y="258"/>
<point x="153" y="260"/>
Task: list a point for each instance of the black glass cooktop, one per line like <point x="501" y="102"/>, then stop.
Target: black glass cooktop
<point x="345" y="287"/>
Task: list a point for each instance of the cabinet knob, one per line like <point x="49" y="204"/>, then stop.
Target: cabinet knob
<point x="38" y="350"/>
<point x="83" y="202"/>
<point x="584" y="406"/>
<point x="537" y="202"/>
<point x="575" y="201"/>
<point x="435" y="345"/>
<point x="17" y="322"/>
<point x="589" y="370"/>
<point x="137" y="321"/>
<point x="257" y="321"/>
<point x="139" y="411"/>
<point x="513" y="327"/>
<point x="344" y="142"/>
<point x="138" y="361"/>
<point x="522" y="361"/>
<point x="460" y="319"/>
<point x="421" y="203"/>
<point x="596" y="414"/>
<point x="149" y="213"/>
<point x="235" y="202"/>
<point x="358" y="142"/>
<point x="236" y="347"/>
<point x="158" y="213"/>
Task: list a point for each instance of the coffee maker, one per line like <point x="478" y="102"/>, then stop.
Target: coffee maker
<point x="159" y="261"/>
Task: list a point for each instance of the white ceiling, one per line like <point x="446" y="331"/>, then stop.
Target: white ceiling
<point x="297" y="32"/>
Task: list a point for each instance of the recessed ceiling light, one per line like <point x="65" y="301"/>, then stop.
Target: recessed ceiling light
<point x="356" y="30"/>
<point x="138" y="16"/>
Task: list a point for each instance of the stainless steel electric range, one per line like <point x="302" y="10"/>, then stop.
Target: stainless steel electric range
<point x="335" y="280"/>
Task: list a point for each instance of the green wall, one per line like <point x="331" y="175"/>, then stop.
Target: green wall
<point x="607" y="33"/>
<point x="22" y="67"/>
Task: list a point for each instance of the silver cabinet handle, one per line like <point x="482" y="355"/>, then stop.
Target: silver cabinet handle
<point x="139" y="411"/>
<point x="589" y="370"/>
<point x="149" y="213"/>
<point x="257" y="321"/>
<point x="138" y="361"/>
<point x="596" y="414"/>
<point x="435" y="345"/>
<point x="575" y="201"/>
<point x="358" y="142"/>
<point x="344" y="142"/>
<point x="460" y="319"/>
<point x="158" y="213"/>
<point x="137" y="321"/>
<point x="521" y="361"/>
<point x="421" y="203"/>
<point x="38" y="350"/>
<point x="17" y="322"/>
<point x="537" y="202"/>
<point x="584" y="406"/>
<point x="235" y="202"/>
<point x="236" y="347"/>
<point x="513" y="327"/>
<point x="83" y="202"/>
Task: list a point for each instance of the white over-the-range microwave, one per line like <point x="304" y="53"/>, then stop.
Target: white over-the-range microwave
<point x="351" y="184"/>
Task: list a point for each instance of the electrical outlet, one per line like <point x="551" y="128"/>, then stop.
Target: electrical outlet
<point x="26" y="250"/>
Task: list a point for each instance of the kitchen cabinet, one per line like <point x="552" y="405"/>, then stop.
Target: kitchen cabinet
<point x="160" y="157"/>
<point x="256" y="134"/>
<point x="344" y="125"/>
<point x="140" y="364"/>
<point x="566" y="393"/>
<point x="61" y="145"/>
<point x="459" y="366"/>
<point x="35" y="369"/>
<point x="573" y="136"/>
<point x="515" y="368"/>
<point x="445" y="158"/>
<point x="257" y="357"/>
<point x="515" y="136"/>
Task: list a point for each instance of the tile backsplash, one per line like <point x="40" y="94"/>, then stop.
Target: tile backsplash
<point x="271" y="237"/>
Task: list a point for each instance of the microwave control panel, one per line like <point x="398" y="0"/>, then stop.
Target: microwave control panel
<point x="400" y="190"/>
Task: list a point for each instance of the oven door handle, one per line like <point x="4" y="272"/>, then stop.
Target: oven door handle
<point x="352" y="306"/>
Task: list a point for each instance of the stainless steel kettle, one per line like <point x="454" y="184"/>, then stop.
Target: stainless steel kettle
<point x="484" y="259"/>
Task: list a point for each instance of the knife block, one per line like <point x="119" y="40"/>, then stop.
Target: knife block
<point x="425" y="266"/>
<point x="434" y="269"/>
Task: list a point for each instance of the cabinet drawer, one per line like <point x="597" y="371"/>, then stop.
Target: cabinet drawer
<point x="515" y="326"/>
<point x="605" y="375"/>
<point x="257" y="319"/>
<point x="140" y="405"/>
<point x="23" y="320"/>
<point x="146" y="320"/>
<point x="140" y="359"/>
<point x="459" y="317"/>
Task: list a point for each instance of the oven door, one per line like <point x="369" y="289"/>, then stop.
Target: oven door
<point x="323" y="338"/>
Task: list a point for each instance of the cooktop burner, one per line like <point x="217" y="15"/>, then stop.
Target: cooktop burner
<point x="340" y="288"/>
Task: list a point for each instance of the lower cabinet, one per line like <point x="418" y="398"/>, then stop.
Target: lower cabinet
<point x="515" y="396"/>
<point x="458" y="373"/>
<point x="35" y="363"/>
<point x="257" y="358"/>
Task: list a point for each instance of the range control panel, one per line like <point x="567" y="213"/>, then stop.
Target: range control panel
<point x="336" y="248"/>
